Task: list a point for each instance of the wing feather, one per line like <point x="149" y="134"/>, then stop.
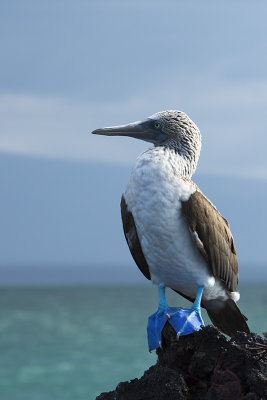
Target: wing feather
<point x="132" y="239"/>
<point x="212" y="229"/>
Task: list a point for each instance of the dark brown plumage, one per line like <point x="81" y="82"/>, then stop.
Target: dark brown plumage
<point x="226" y="316"/>
<point x="132" y="239"/>
<point x="214" y="232"/>
<point x="218" y="248"/>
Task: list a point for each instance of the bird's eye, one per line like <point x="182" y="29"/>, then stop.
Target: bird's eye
<point x="156" y="125"/>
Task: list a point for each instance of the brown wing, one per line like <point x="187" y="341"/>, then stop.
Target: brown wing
<point x="132" y="240"/>
<point x="213" y="238"/>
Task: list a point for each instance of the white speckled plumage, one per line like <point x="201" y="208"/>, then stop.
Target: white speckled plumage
<point x="153" y="195"/>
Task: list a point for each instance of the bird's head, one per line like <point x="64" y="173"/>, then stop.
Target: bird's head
<point x="171" y="129"/>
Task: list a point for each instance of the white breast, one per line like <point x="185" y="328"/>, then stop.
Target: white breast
<point x="153" y="195"/>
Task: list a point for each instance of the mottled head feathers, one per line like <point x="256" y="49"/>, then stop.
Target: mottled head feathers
<point x="182" y="133"/>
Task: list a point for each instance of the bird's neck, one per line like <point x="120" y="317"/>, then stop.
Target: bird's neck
<point x="180" y="165"/>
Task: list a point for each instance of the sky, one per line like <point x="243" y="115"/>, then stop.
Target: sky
<point x="68" y="68"/>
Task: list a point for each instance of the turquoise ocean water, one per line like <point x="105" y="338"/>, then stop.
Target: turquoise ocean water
<point x="75" y="342"/>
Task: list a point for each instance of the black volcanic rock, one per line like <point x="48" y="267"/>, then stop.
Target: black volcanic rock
<point x="204" y="365"/>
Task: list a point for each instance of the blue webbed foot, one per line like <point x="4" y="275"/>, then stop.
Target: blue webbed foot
<point x="155" y="325"/>
<point x="186" y="321"/>
<point x="183" y="320"/>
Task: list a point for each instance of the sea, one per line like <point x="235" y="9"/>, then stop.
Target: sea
<point x="66" y="343"/>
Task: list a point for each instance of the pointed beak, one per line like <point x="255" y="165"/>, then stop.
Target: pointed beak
<point x="143" y="130"/>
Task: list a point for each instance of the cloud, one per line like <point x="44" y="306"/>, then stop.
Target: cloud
<point x="53" y="127"/>
<point x="231" y="117"/>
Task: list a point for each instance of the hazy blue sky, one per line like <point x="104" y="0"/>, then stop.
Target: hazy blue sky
<point x="70" y="67"/>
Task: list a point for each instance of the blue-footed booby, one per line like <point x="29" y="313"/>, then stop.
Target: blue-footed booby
<point x="176" y="236"/>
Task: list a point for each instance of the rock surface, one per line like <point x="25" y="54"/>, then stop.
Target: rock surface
<point x="203" y="365"/>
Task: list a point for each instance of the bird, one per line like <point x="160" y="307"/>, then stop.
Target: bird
<point x="175" y="234"/>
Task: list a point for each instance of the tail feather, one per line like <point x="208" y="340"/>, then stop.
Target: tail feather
<point x="226" y="316"/>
